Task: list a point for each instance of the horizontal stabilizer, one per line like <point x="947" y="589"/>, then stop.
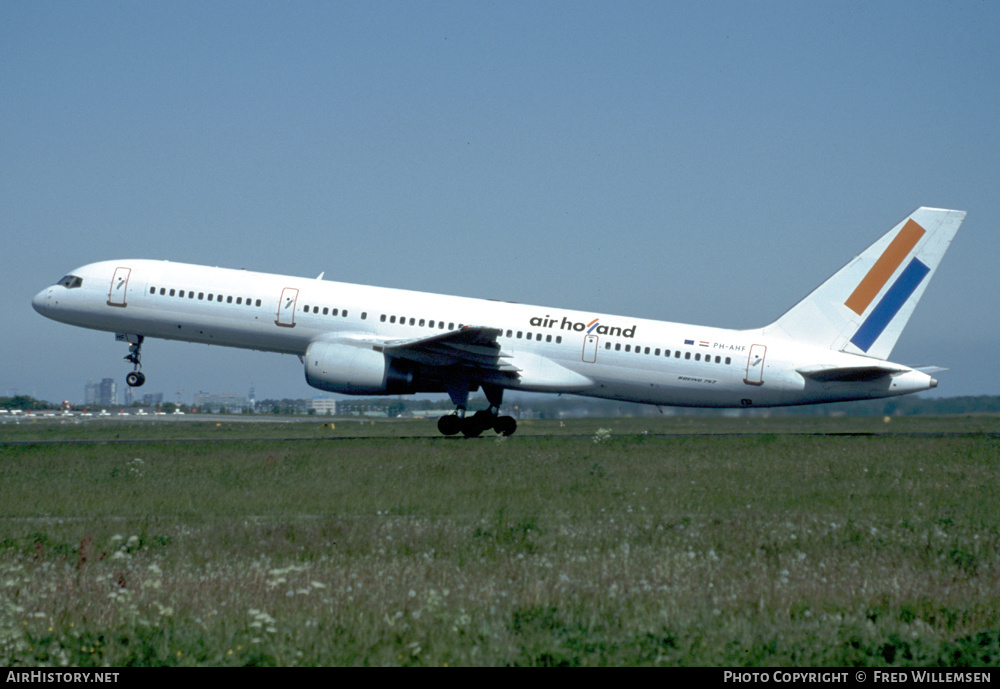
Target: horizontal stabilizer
<point x="849" y="374"/>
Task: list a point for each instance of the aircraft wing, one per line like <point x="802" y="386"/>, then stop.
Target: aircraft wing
<point x="471" y="346"/>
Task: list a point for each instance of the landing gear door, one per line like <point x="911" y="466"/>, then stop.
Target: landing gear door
<point x="119" y="284"/>
<point x="286" y="307"/>
<point x="755" y="365"/>
<point x="590" y="349"/>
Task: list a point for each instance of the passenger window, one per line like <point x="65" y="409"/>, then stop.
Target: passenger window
<point x="152" y="290"/>
<point x="618" y="346"/>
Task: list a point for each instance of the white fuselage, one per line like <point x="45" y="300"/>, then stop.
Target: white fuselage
<point x="554" y="350"/>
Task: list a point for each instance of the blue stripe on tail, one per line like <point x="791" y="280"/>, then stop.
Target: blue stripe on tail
<point x="890" y="304"/>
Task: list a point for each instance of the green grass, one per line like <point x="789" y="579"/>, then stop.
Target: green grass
<point x="771" y="548"/>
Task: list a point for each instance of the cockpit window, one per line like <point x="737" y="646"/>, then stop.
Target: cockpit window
<point x="70" y="281"/>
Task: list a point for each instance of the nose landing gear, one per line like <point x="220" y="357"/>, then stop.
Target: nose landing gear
<point x="136" y="377"/>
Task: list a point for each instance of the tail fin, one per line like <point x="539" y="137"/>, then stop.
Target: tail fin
<point x="863" y="308"/>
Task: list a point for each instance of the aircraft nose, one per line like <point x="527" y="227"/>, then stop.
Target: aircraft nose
<point x="41" y="300"/>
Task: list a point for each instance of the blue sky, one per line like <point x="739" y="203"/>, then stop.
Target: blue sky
<point x="705" y="162"/>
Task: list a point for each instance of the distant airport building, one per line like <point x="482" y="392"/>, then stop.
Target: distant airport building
<point x="323" y="405"/>
<point x="230" y="402"/>
<point x="154" y="399"/>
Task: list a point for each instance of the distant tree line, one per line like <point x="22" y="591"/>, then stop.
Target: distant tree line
<point x="552" y="407"/>
<point x="24" y="402"/>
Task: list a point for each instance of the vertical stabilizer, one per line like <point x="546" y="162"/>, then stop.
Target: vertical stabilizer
<point x="863" y="308"/>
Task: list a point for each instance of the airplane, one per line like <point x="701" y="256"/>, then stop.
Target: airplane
<point x="364" y="340"/>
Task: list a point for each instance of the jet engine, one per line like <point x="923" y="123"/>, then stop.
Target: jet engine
<point x="355" y="370"/>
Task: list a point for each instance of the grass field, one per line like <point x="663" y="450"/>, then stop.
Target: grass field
<point x="681" y="541"/>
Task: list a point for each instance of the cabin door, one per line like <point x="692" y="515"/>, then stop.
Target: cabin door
<point x="119" y="284"/>
<point x="286" y="307"/>
<point x="590" y="349"/>
<point x="755" y="365"/>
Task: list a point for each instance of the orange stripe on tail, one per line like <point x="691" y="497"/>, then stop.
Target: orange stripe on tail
<point x="884" y="267"/>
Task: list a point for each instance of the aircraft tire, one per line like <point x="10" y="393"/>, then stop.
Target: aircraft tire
<point x="135" y="379"/>
<point x="450" y="424"/>
<point x="505" y="425"/>
<point x="471" y="427"/>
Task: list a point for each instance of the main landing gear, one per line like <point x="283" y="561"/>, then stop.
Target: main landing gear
<point x="482" y="420"/>
<point x="136" y="377"/>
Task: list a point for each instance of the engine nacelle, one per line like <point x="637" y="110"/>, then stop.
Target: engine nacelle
<point x="355" y="370"/>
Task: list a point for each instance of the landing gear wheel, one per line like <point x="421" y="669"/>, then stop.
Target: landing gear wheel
<point x="484" y="418"/>
<point x="135" y="379"/>
<point x="505" y="425"/>
<point x="472" y="426"/>
<point x="449" y="425"/>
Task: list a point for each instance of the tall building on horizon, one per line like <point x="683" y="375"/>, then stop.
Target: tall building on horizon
<point x="107" y="395"/>
<point x="91" y="393"/>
